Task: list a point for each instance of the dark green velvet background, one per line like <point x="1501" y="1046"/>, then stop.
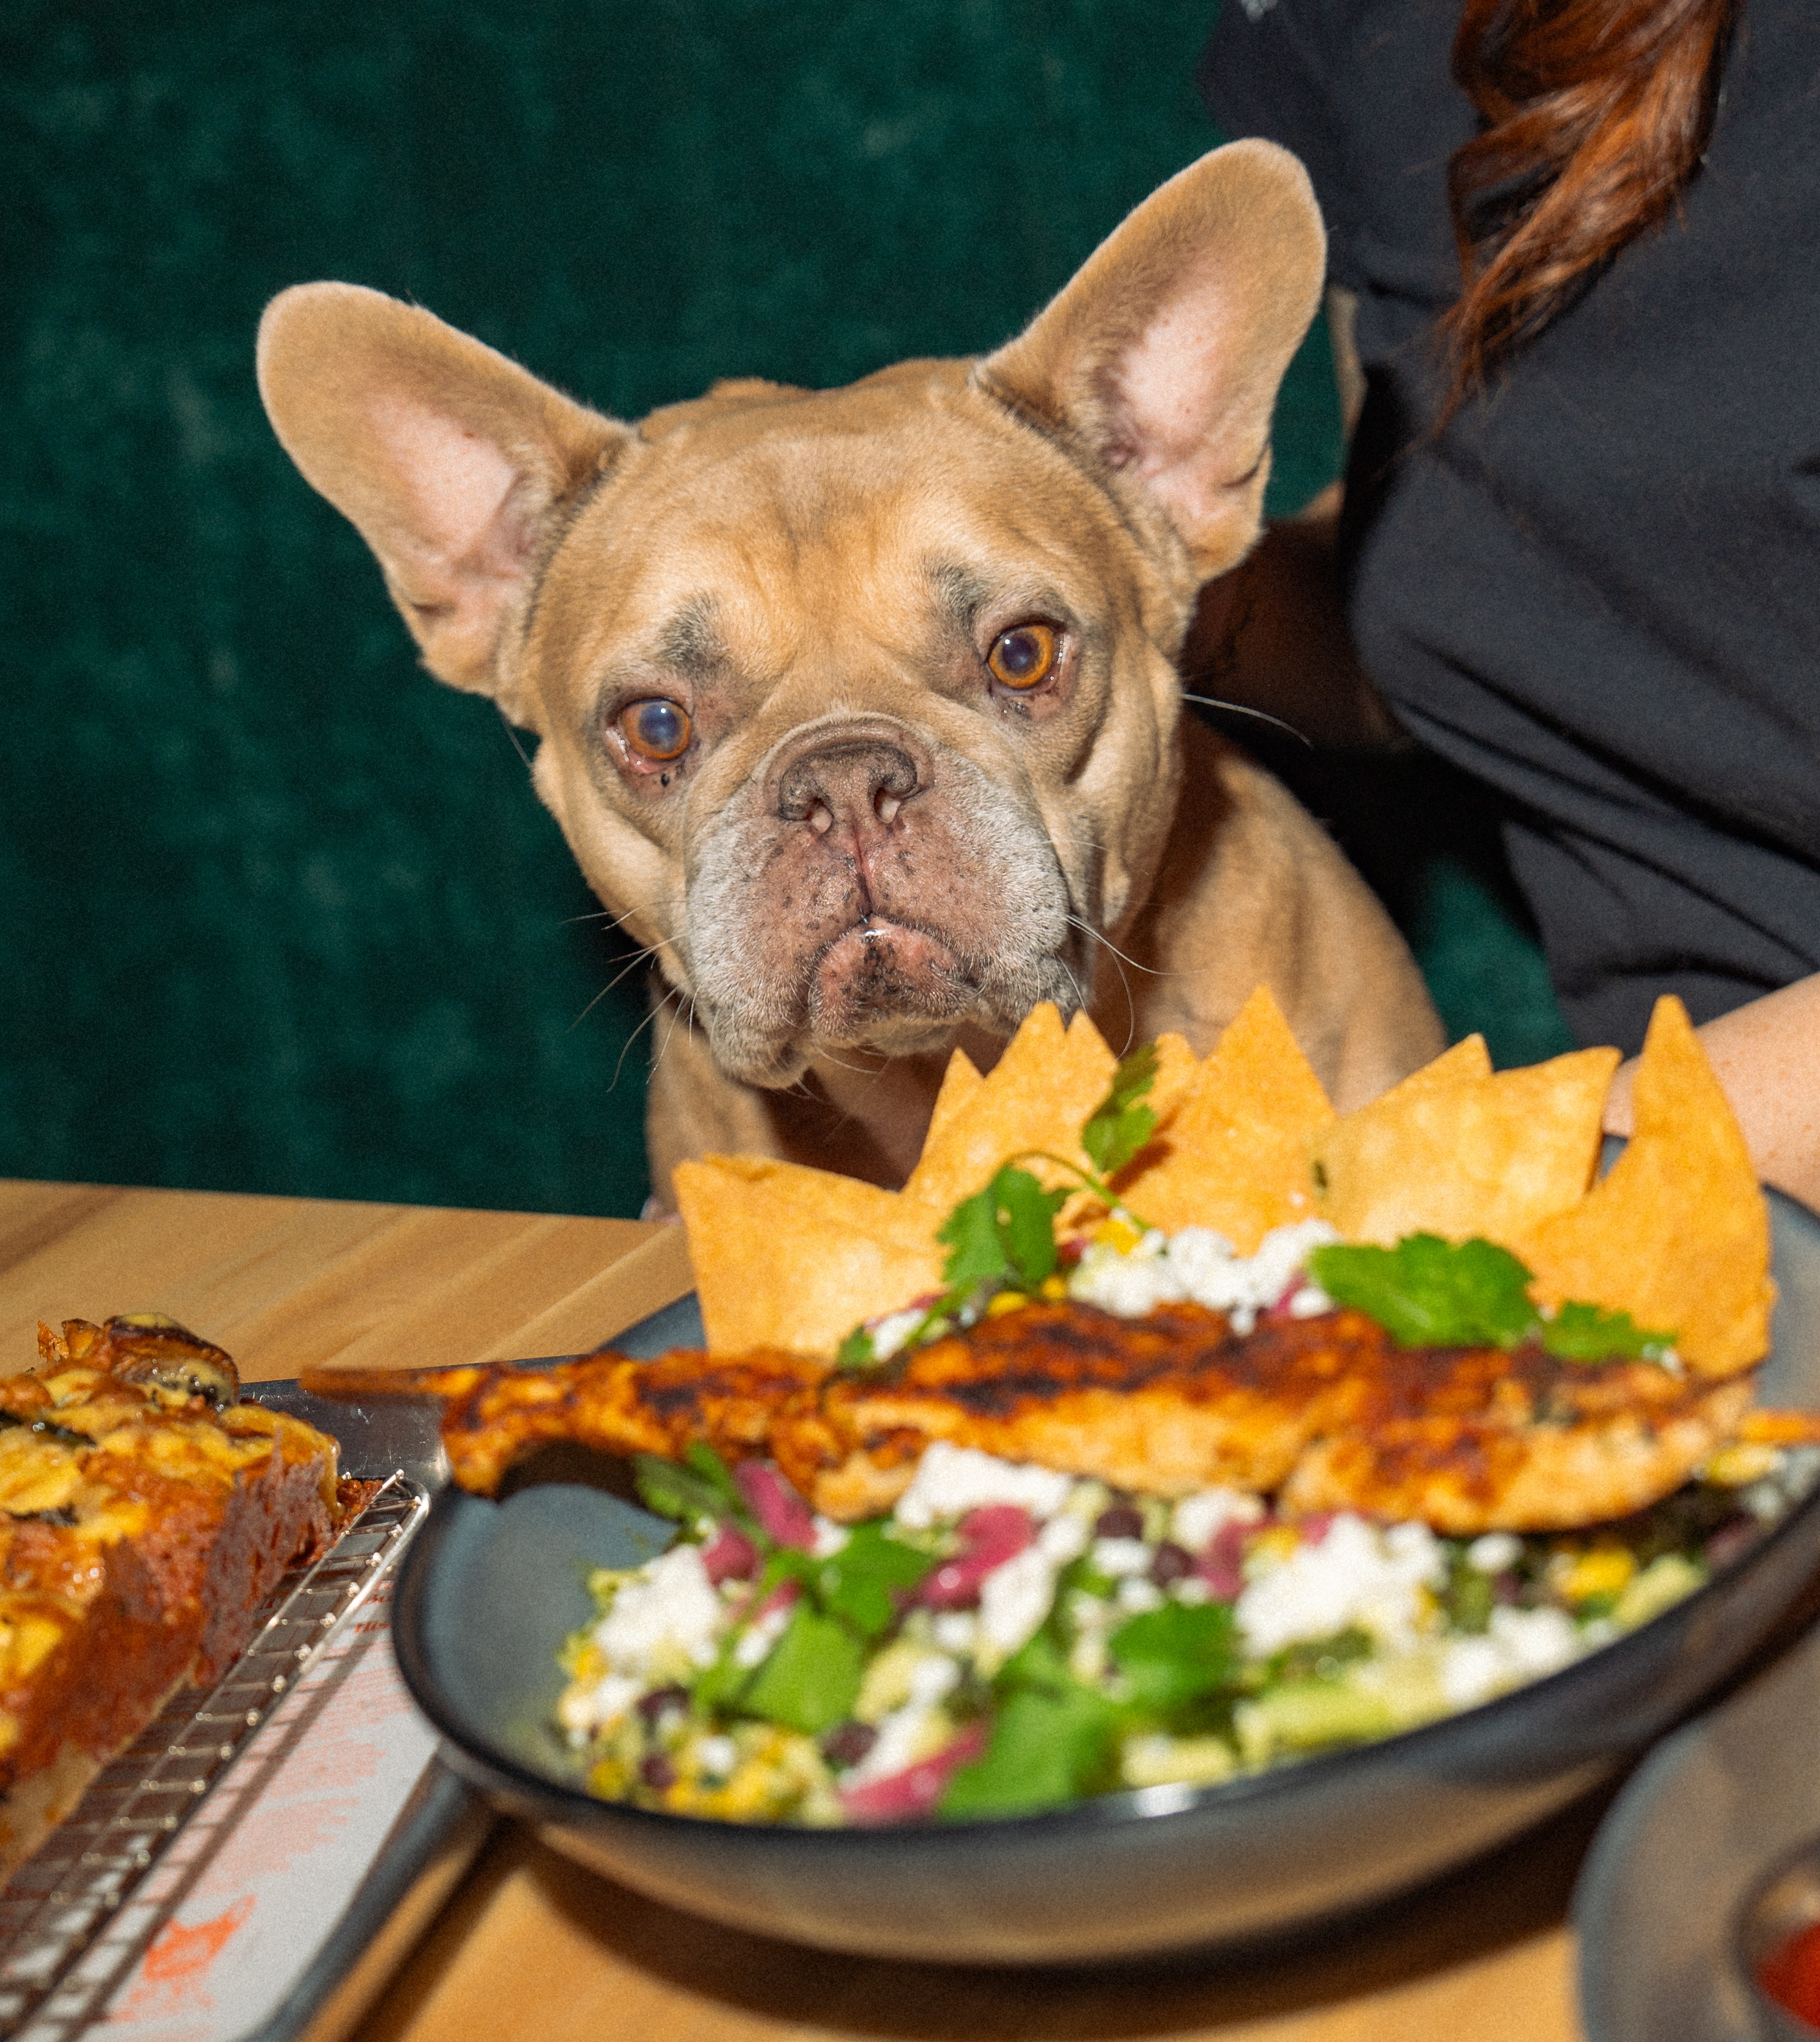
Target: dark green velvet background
<point x="279" y="913"/>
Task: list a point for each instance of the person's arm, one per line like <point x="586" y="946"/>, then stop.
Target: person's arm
<point x="1768" y="1057"/>
<point x="1271" y="635"/>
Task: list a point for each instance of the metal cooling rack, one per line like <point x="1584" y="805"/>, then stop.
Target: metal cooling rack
<point x="83" y="1907"/>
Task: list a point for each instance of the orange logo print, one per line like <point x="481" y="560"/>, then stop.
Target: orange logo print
<point x="178" y="1953"/>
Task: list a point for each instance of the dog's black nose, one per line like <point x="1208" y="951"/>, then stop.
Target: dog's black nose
<point x="848" y="780"/>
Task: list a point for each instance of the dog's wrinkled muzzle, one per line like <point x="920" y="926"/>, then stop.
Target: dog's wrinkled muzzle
<point x="869" y="887"/>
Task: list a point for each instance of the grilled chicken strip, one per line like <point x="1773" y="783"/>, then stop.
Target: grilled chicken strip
<point x="1328" y="1413"/>
<point x="495" y="1415"/>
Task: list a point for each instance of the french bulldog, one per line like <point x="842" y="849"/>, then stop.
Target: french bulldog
<point x="858" y="707"/>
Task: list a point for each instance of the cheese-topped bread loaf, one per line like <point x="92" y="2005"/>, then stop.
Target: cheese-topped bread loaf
<point x="145" y="1514"/>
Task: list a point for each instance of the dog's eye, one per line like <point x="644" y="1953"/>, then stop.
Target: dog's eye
<point x="1025" y="657"/>
<point x="655" y="729"/>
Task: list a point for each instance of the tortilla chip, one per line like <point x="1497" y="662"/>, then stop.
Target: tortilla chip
<point x="786" y="1256"/>
<point x="1493" y="1155"/>
<point x="1177" y="1069"/>
<point x="1469" y="1058"/>
<point x="1036" y="1096"/>
<point x="1677" y="1232"/>
<point x="1232" y="1153"/>
<point x="960" y="1082"/>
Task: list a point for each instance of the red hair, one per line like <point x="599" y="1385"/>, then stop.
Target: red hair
<point x="1596" y="113"/>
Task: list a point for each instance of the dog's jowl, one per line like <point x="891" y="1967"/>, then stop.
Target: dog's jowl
<point x="858" y="706"/>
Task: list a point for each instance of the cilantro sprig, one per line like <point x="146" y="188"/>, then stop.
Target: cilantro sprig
<point x="1429" y="1292"/>
<point x="698" y="1485"/>
<point x="1122" y="1123"/>
<point x="1002" y="1238"/>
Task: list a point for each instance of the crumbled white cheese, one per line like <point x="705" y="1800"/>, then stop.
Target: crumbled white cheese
<point x="583" y="1711"/>
<point x="1493" y="1551"/>
<point x="717" y="1756"/>
<point x="950" y="1481"/>
<point x="1521" y="1644"/>
<point x="1116" y="1558"/>
<point x="670" y="1611"/>
<point x="892" y="1331"/>
<point x="1014" y="1600"/>
<point x="755" y="1643"/>
<point x="954" y="1630"/>
<point x="829" y="1537"/>
<point x="1064" y="1539"/>
<point x="1380" y="1580"/>
<point x="1199" y="1266"/>
<point x="1136" y="1595"/>
<point x="1197" y="1520"/>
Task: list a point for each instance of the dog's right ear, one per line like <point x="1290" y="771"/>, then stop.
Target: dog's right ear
<point x="1160" y="358"/>
<point x="449" y="459"/>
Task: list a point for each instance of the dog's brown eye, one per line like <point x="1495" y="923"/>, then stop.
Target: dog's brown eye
<point x="1025" y="657"/>
<point x="655" y="729"/>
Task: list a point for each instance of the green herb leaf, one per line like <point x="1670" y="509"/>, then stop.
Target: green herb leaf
<point x="857" y="1583"/>
<point x="971" y="1234"/>
<point x="1429" y="1292"/>
<point x="1026" y="1215"/>
<point x="1046" y="1749"/>
<point x="1119" y="1126"/>
<point x="1177" y="1653"/>
<point x="1039" y="1662"/>
<point x="715" y="1472"/>
<point x="1584" y="1332"/>
<point x="810" y="1681"/>
<point x="856" y="1351"/>
<point x="674" y="1490"/>
<point x="1007" y="1231"/>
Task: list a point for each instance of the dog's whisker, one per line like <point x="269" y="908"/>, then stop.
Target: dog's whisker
<point x="644" y="957"/>
<point x="858" y="1070"/>
<point x="625" y="1047"/>
<point x="524" y="756"/>
<point x="1244" y="709"/>
<point x="1149" y="970"/>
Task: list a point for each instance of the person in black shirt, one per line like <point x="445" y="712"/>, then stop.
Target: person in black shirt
<point x="1578" y="551"/>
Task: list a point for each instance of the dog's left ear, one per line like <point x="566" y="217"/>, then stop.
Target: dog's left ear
<point x="1161" y="358"/>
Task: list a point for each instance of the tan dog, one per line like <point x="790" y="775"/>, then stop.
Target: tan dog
<point x="858" y="706"/>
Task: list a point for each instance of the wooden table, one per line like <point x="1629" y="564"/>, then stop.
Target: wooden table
<point x="530" y="1945"/>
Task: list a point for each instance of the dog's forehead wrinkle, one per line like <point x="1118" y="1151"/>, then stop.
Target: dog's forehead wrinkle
<point x="690" y="640"/>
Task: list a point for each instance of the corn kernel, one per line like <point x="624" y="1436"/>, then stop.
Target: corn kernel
<point x="1006" y="1302"/>
<point x="1736" y="1467"/>
<point x="1052" y="1287"/>
<point x="1605" y="1571"/>
<point x="1278" y="1542"/>
<point x="1119" y="1235"/>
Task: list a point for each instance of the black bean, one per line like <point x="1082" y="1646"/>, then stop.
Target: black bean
<point x="1173" y="1563"/>
<point x="848" y="1742"/>
<point x="1120" y="1520"/>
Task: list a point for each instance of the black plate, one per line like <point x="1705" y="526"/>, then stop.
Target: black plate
<point x="489" y="1591"/>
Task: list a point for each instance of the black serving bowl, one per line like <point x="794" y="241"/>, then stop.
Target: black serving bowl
<point x="489" y="1591"/>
